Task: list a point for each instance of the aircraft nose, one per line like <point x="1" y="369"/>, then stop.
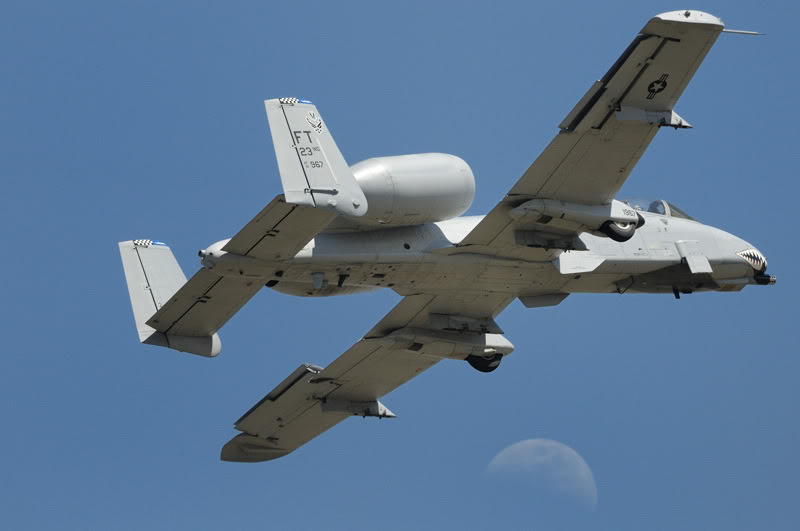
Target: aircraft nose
<point x="754" y="257"/>
<point x="758" y="262"/>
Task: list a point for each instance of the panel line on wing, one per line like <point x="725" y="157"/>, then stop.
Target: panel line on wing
<point x="268" y="233"/>
<point x="195" y="303"/>
<point x="359" y="362"/>
<point x="573" y="124"/>
<point x="624" y="57"/>
<point x="589" y="105"/>
<point x="554" y="172"/>
<point x="262" y="401"/>
<point x="636" y="78"/>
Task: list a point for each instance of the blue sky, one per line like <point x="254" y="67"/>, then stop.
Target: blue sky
<point x="146" y="120"/>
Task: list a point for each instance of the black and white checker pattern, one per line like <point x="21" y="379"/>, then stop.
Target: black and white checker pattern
<point x="288" y="101"/>
<point x="143" y="243"/>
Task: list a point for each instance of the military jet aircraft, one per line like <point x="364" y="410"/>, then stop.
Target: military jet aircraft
<point x="395" y="222"/>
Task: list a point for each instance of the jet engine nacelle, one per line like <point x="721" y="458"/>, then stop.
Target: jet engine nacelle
<point x="414" y="189"/>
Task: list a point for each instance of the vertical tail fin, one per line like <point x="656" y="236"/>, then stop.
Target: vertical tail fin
<point x="154" y="276"/>
<point x="313" y="170"/>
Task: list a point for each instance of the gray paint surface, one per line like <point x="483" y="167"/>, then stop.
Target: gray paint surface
<point x="458" y="274"/>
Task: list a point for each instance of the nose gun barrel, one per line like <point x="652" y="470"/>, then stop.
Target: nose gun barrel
<point x="765" y="280"/>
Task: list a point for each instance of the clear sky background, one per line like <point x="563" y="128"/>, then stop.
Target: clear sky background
<point x="145" y="120"/>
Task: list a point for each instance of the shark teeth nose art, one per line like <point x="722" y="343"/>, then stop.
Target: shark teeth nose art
<point x="755" y="258"/>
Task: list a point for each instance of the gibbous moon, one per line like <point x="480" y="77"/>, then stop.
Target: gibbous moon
<point x="550" y="465"/>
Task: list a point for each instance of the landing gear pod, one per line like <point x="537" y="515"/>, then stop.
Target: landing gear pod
<point x="615" y="219"/>
<point x="619" y="231"/>
<point x="485" y="364"/>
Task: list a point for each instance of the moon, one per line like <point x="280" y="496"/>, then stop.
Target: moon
<point x="550" y="465"/>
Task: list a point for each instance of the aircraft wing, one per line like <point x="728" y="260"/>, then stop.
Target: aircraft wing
<point x="413" y="337"/>
<point x="603" y="137"/>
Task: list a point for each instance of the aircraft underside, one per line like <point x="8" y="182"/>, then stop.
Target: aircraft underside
<point x="423" y="260"/>
<point x="393" y="222"/>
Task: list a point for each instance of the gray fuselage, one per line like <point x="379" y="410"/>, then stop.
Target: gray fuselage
<point x="426" y="259"/>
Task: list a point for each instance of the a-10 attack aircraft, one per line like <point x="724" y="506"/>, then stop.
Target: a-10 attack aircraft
<point x="393" y="222"/>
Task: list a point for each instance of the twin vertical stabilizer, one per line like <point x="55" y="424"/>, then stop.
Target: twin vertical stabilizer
<point x="153" y="277"/>
<point x="313" y="171"/>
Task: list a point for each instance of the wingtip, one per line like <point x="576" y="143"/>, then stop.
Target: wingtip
<point x="247" y="448"/>
<point x="691" y="16"/>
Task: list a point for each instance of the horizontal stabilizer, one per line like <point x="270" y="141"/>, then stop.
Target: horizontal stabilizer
<point x="279" y="231"/>
<point x="203" y="305"/>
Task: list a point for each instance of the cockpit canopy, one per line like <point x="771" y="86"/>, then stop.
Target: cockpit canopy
<point x="657" y="206"/>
